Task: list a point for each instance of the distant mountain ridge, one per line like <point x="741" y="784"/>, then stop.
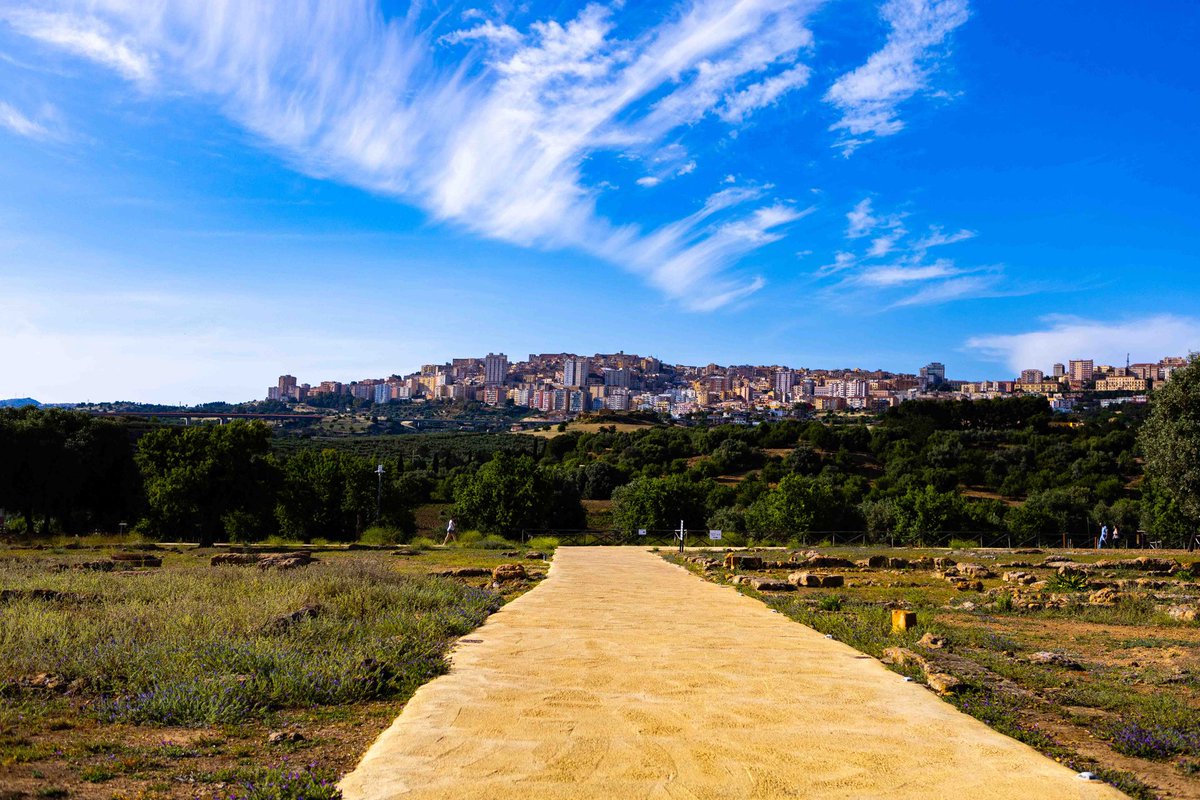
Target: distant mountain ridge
<point x="17" y="402"/>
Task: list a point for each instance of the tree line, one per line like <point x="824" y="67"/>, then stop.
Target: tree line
<point x="923" y="468"/>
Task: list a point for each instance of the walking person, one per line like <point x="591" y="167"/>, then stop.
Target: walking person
<point x="1103" y="537"/>
<point x="451" y="532"/>
<point x="1116" y="537"/>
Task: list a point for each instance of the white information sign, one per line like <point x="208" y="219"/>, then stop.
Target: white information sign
<point x="714" y="535"/>
<point x="641" y="531"/>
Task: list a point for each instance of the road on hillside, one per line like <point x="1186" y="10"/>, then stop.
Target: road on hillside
<point x="623" y="676"/>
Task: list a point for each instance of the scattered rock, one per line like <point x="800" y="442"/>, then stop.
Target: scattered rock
<point x="285" y="737"/>
<point x="1104" y="597"/>
<point x="285" y="621"/>
<point x="509" y="572"/>
<point x="903" y="657"/>
<point x="534" y="555"/>
<point x="765" y="585"/>
<point x="1028" y="551"/>
<point x="285" y="561"/>
<point x="1163" y="566"/>
<point x="136" y="560"/>
<point x="1023" y="578"/>
<point x="511" y="554"/>
<point x="1055" y="660"/>
<point x="462" y="572"/>
<point x="943" y="683"/>
<point x="932" y="641"/>
<point x="815" y="580"/>
<point x="898" y="563"/>
<point x="818" y="561"/>
<point x="976" y="571"/>
<point x="234" y="559"/>
<point x="944" y="563"/>
<point x="45" y="681"/>
<point x="95" y="566"/>
<point x="740" y="561"/>
<point x="962" y="584"/>
<point x="874" y="562"/>
<point x="1182" y="613"/>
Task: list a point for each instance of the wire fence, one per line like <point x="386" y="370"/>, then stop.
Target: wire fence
<point x="949" y="539"/>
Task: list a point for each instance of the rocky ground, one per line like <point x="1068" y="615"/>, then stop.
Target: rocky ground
<point x="1094" y="658"/>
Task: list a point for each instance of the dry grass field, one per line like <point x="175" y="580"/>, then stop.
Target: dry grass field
<point x="124" y="677"/>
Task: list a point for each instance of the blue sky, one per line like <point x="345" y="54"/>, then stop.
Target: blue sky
<point x="199" y="196"/>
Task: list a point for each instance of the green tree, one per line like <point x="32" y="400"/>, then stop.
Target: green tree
<point x="66" y="470"/>
<point x="660" y="503"/>
<point x="798" y="505"/>
<point x="924" y="511"/>
<point x="197" y="476"/>
<point x="511" y="493"/>
<point x="1170" y="439"/>
<point x="327" y="494"/>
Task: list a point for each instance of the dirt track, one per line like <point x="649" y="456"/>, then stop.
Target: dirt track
<point x="623" y="676"/>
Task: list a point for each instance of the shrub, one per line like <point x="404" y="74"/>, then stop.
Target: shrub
<point x="1068" y="582"/>
<point x="384" y="535"/>
<point x="830" y="602"/>
<point x="494" y="542"/>
<point x="424" y="543"/>
<point x="962" y="544"/>
<point x="543" y="543"/>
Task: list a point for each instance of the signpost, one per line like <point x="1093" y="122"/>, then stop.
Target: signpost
<point x="714" y="535"/>
<point x="641" y="531"/>
<point x="681" y="535"/>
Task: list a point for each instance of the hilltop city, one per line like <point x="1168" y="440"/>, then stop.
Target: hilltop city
<point x="562" y="385"/>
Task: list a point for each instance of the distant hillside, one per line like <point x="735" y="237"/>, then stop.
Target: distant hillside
<point x="17" y="402"/>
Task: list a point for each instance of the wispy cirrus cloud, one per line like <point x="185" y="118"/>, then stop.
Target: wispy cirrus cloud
<point x="869" y="97"/>
<point x="494" y="140"/>
<point x="17" y="122"/>
<point x="85" y="36"/>
<point x="1147" y="338"/>
<point x="887" y="267"/>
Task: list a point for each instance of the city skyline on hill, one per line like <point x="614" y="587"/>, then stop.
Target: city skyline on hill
<point x="201" y="194"/>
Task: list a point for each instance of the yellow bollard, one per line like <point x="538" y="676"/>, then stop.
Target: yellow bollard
<point x="903" y="620"/>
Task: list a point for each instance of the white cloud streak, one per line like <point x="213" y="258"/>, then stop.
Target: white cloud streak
<point x="16" y="122"/>
<point x="869" y="97"/>
<point x="496" y="142"/>
<point x="909" y="280"/>
<point x="84" y="36"/>
<point x="1106" y="341"/>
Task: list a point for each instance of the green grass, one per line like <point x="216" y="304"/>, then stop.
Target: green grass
<point x="284" y="783"/>
<point x="189" y="646"/>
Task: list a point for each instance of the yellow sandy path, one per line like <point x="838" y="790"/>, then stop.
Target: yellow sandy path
<point x="623" y="676"/>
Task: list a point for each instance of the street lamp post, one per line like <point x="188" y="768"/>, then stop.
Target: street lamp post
<point x="378" y="491"/>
